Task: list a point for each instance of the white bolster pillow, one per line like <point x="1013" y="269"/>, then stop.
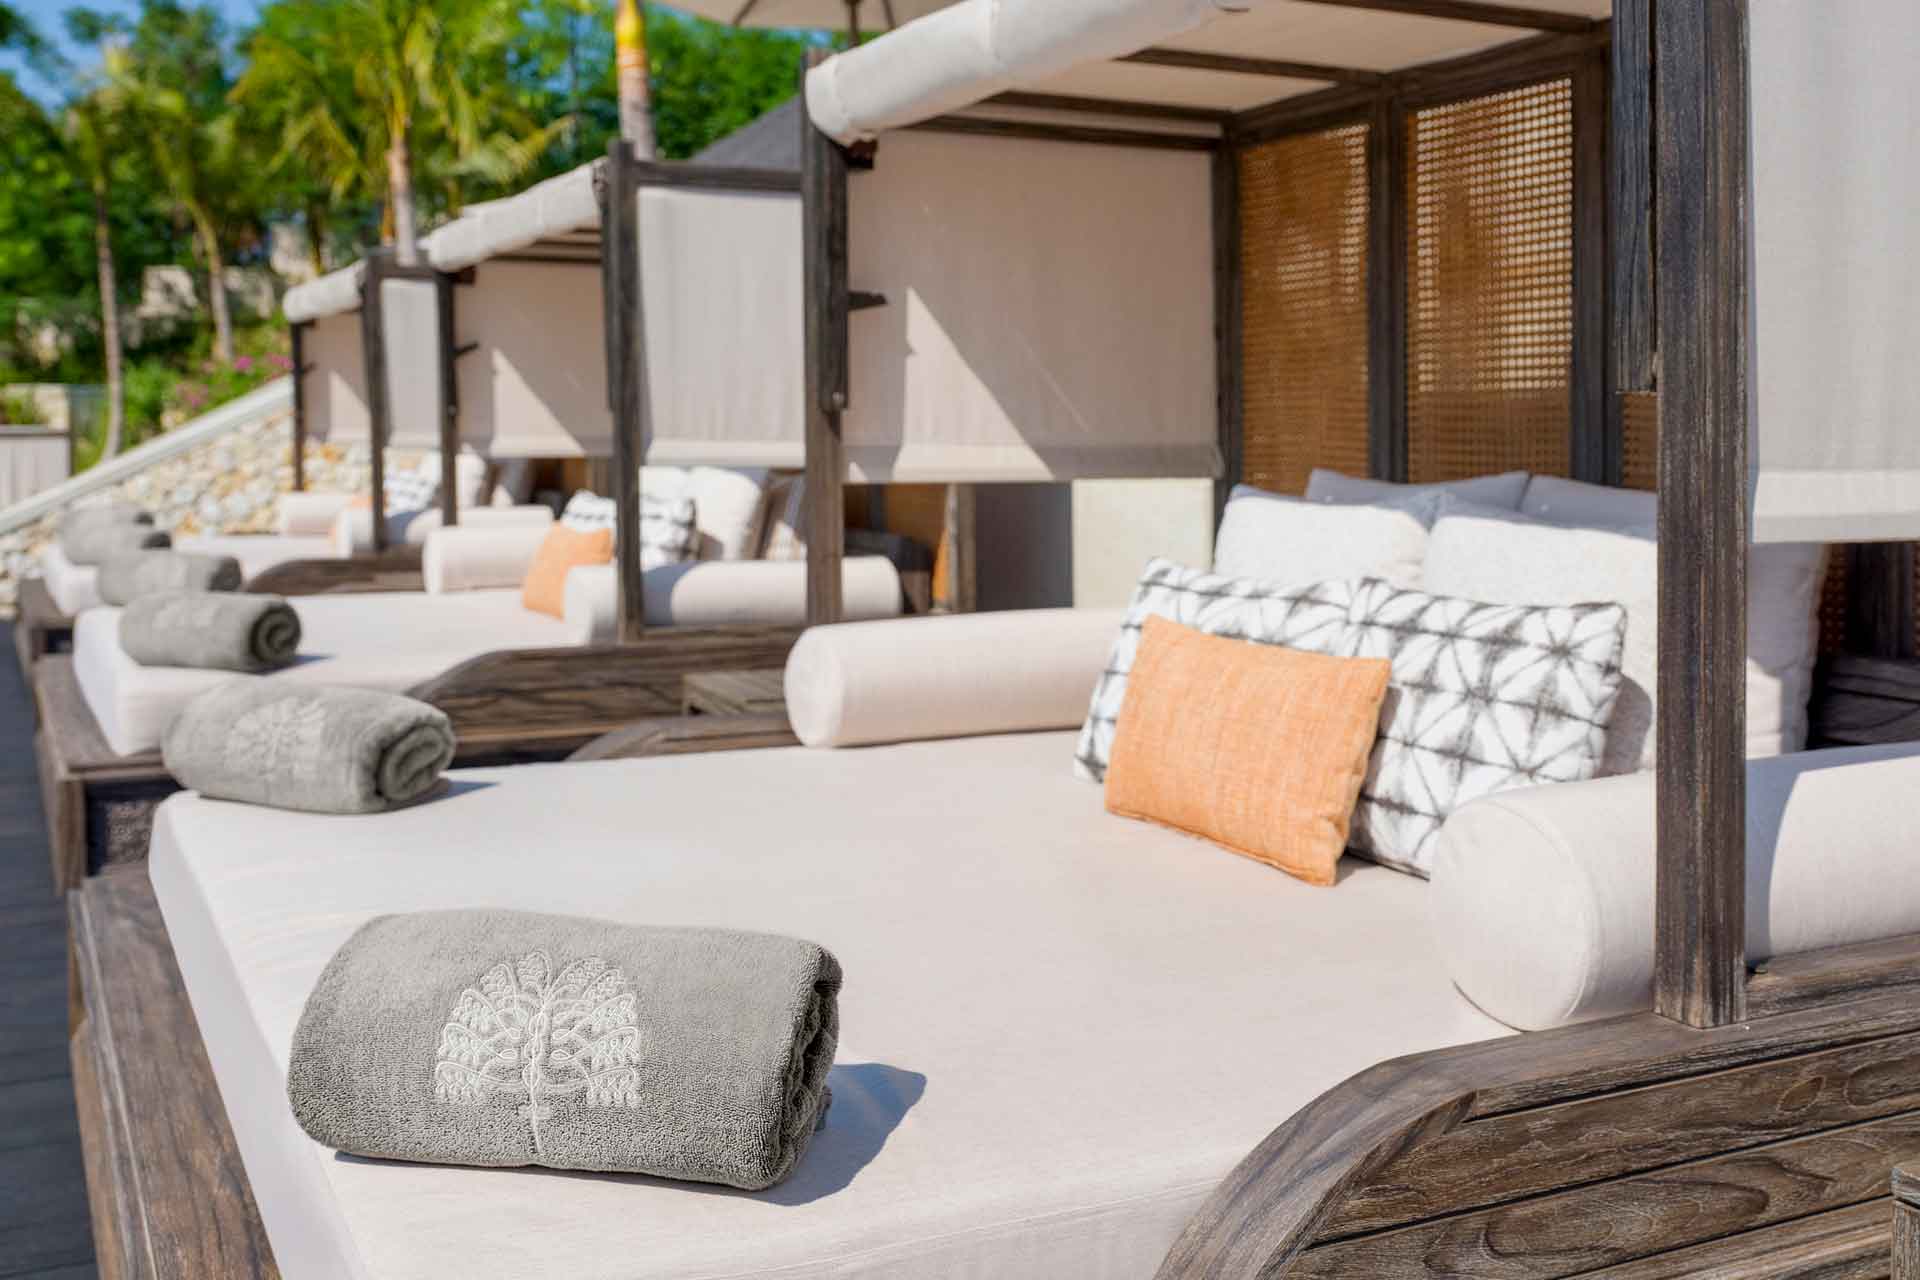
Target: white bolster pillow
<point x="74" y="587"/>
<point x="310" y="515"/>
<point x="946" y="677"/>
<point x="352" y="530"/>
<point x="463" y="559"/>
<point x="718" y="593"/>
<point x="1542" y="899"/>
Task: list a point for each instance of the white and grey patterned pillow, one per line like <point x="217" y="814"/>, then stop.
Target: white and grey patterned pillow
<point x="1483" y="698"/>
<point x="667" y="534"/>
<point x="410" y="491"/>
<point x="1312" y="617"/>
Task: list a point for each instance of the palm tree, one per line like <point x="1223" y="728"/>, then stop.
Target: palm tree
<point x="171" y="79"/>
<point x="379" y="93"/>
<point x="89" y="130"/>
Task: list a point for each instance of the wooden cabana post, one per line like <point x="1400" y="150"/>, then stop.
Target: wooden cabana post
<point x="626" y="374"/>
<point x="823" y="200"/>
<point x="296" y="342"/>
<point x="381" y="267"/>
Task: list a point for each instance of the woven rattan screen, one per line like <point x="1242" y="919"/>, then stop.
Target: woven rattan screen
<point x="1490" y="284"/>
<point x="1640" y="440"/>
<point x="1303" y="256"/>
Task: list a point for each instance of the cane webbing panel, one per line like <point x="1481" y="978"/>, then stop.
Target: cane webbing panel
<point x="1303" y="314"/>
<point x="1640" y="440"/>
<point x="1490" y="284"/>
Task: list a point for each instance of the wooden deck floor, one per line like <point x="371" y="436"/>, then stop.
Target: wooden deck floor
<point x="44" y="1229"/>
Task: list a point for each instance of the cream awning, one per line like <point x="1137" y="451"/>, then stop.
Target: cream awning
<point x="1835" y="257"/>
<point x="333" y="294"/>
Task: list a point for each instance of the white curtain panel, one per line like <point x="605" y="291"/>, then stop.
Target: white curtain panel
<point x="720" y="281"/>
<point x="1049" y="312"/>
<point x="410" y="322"/>
<point x="536" y="384"/>
<point x="1836" y="274"/>
<point x="336" y="385"/>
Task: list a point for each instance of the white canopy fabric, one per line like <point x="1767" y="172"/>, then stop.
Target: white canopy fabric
<point x="1835" y="272"/>
<point x="535" y="384"/>
<point x="335" y="293"/>
<point x="1048" y="317"/>
<point x="336" y="385"/>
<point x="720" y="284"/>
<point x="410" y="316"/>
<point x="560" y="207"/>
<point x="977" y="48"/>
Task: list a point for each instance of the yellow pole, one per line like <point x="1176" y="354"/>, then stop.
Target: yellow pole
<point x="630" y="61"/>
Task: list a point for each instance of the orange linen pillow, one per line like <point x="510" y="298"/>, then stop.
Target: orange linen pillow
<point x="360" y="502"/>
<point x="1255" y="747"/>
<point x="564" y="548"/>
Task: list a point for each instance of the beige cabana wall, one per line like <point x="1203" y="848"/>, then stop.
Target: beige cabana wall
<point x="1048" y="317"/>
<point x="410" y="319"/>
<point x="336" y="387"/>
<point x="536" y="385"/>
<point x="720" y="283"/>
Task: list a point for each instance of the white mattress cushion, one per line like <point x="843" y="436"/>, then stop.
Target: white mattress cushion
<point x="1291" y="542"/>
<point x="1059" y="1029"/>
<point x="390" y="641"/>
<point x="74" y="587"/>
<point x="257" y="552"/>
<point x="1504" y="559"/>
<point x="1543" y="899"/>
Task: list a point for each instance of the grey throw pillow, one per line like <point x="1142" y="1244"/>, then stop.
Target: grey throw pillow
<point x="1483" y="698"/>
<point x="1313" y="618"/>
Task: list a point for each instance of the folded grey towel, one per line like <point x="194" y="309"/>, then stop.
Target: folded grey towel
<point x="321" y="748"/>
<point x="510" y="1038"/>
<point x="97" y="540"/>
<point x="218" y="630"/>
<point x="130" y="575"/>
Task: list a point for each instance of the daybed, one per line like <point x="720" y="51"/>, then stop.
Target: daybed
<point x="519" y="684"/>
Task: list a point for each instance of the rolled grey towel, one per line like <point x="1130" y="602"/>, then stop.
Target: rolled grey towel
<point x="126" y="577"/>
<point x="217" y="630"/>
<point x="511" y="1038"/>
<point x="98" y="541"/>
<point x="319" y="748"/>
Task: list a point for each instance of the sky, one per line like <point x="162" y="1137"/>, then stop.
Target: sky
<point x="47" y="18"/>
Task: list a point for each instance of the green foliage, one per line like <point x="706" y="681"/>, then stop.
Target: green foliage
<point x="709" y="80"/>
<point x="16" y="409"/>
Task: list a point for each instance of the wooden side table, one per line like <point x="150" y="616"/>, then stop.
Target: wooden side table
<point x="734" y="693"/>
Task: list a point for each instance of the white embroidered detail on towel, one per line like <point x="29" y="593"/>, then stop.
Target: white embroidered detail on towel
<point x="525" y="1033"/>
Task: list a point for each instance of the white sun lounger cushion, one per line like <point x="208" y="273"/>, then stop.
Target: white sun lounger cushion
<point x="718" y="593"/>
<point x="1542" y="899"/>
<point x="947" y="677"/>
<point x="473" y="558"/>
<point x="352" y="531"/>
<point x="73" y="586"/>
<point x="1291" y="542"/>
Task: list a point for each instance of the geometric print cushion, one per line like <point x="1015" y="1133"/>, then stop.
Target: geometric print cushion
<point x="1311" y="618"/>
<point x="667" y="531"/>
<point x="1483" y="698"/>
<point x="408" y="491"/>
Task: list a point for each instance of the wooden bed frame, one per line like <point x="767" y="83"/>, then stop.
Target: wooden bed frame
<point x="513" y="706"/>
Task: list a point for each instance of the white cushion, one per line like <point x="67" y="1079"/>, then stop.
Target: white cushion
<point x="716" y="593"/>
<point x="310" y="514"/>
<point x="375" y="640"/>
<point x="1542" y="900"/>
<point x="471" y="559"/>
<point x="1060" y="1029"/>
<point x="1293" y="541"/>
<point x="729" y="509"/>
<point x="257" y="552"/>
<point x="1504" y="559"/>
<point x="946" y="677"/>
<point x="1484" y="698"/>
<point x="1312" y="617"/>
<point x="74" y="587"/>
<point x="353" y="530"/>
<point x="1503" y="490"/>
<point x="1575" y="502"/>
